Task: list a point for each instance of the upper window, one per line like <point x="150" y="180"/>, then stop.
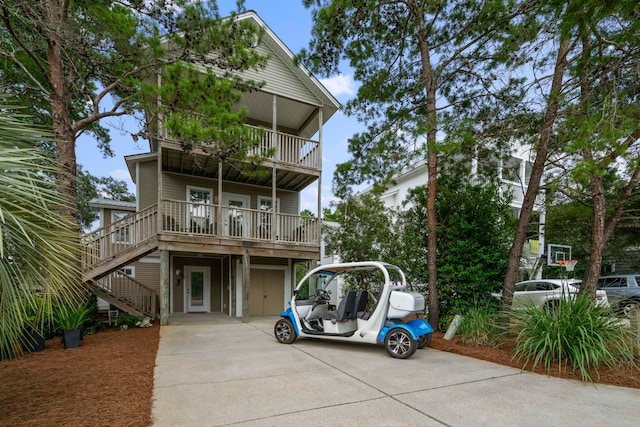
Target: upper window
<point x="121" y="227"/>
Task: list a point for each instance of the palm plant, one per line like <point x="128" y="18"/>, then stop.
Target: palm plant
<point x="38" y="255"/>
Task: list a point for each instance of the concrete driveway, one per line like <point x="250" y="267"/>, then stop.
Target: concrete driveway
<point x="231" y="373"/>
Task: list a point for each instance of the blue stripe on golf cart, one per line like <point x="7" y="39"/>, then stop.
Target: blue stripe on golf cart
<point x="289" y="313"/>
<point x="416" y="328"/>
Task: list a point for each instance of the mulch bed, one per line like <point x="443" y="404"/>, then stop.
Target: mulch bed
<point x="107" y="381"/>
<point x="503" y="355"/>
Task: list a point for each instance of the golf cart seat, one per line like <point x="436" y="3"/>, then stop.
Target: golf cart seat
<point x="361" y="304"/>
<point x="345" y="309"/>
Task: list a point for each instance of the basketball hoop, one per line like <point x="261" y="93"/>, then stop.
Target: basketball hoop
<point x="569" y="264"/>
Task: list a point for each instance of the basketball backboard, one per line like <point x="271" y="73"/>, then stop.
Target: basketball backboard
<point x="557" y="253"/>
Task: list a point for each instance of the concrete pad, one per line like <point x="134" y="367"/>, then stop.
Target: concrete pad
<point x="529" y="400"/>
<point x="233" y="373"/>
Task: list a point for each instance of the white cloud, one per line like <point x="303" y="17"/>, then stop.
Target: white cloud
<point x="121" y="174"/>
<point x="340" y="85"/>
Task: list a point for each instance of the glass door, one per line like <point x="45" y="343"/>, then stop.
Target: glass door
<point x="236" y="218"/>
<point x="197" y="288"/>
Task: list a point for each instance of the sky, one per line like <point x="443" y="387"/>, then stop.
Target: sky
<point x="290" y="21"/>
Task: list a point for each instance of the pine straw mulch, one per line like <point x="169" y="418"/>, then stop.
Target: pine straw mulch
<point x="503" y="355"/>
<point x="107" y="381"/>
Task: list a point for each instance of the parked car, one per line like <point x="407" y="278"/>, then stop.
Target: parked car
<point x="547" y="292"/>
<point x="623" y="291"/>
<point x="380" y="310"/>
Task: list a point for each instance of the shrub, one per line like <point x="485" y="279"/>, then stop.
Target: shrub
<point x="479" y="327"/>
<point x="575" y="333"/>
<point x="126" y="322"/>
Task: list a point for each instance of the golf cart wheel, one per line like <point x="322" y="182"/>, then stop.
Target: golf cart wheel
<point x="424" y="340"/>
<point x="284" y="331"/>
<point x="400" y="344"/>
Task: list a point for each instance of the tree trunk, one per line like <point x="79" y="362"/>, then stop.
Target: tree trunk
<point x="60" y="113"/>
<point x="597" y="236"/>
<point x="432" y="168"/>
<point x="63" y="127"/>
<point x="542" y="152"/>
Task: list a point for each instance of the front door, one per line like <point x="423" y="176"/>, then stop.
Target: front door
<point x="197" y="287"/>
<point x="236" y="221"/>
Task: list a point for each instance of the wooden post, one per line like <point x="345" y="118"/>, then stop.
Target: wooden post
<point x="246" y="285"/>
<point x="164" y="287"/>
<point x="318" y="230"/>
<point x="219" y="214"/>
<point x="153" y="303"/>
<point x="274" y="170"/>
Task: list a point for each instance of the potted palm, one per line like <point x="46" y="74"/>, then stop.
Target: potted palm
<point x="34" y="339"/>
<point x="70" y="320"/>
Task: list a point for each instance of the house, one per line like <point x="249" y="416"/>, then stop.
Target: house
<point x="206" y="237"/>
<point x="513" y="172"/>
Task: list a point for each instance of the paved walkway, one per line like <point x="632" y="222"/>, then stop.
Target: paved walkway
<point x="217" y="371"/>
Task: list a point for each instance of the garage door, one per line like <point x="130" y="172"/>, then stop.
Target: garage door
<point x="266" y="297"/>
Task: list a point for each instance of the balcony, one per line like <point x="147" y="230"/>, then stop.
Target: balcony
<point x="297" y="161"/>
<point x="199" y="227"/>
<point x="228" y="222"/>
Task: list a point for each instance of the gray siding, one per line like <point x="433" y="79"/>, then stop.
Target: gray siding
<point x="279" y="78"/>
<point x="175" y="188"/>
<point x="147" y="184"/>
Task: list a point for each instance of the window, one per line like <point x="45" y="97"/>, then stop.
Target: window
<point x="121" y="227"/>
<point x="612" y="282"/>
<point x="128" y="270"/>
<point x="265" y="205"/>
<point x="200" y="209"/>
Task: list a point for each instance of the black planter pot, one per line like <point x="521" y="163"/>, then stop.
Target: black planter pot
<point x="33" y="340"/>
<point x="5" y="354"/>
<point x="71" y="338"/>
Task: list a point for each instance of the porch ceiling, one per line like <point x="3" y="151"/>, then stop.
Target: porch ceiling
<point x="287" y="178"/>
<point x="299" y="118"/>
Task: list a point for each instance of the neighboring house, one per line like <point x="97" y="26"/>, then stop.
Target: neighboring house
<point x="203" y="237"/>
<point x="513" y="173"/>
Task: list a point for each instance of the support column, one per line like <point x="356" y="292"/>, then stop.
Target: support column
<point x="319" y="225"/>
<point x="246" y="285"/>
<point x="274" y="170"/>
<point x="164" y="287"/>
<point x="219" y="214"/>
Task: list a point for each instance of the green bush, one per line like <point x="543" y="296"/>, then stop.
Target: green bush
<point x="576" y="334"/>
<point x="126" y="322"/>
<point x="479" y="327"/>
<point x="92" y="322"/>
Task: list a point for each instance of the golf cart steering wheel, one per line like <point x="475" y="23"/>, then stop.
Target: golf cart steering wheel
<point x="323" y="295"/>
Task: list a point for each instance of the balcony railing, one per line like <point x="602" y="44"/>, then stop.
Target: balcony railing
<point x="289" y="149"/>
<point x="286" y="148"/>
<point x="238" y="223"/>
<point x="120" y="235"/>
<point x="129" y="290"/>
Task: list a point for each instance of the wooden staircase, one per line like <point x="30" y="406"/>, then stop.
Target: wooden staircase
<point x="107" y="250"/>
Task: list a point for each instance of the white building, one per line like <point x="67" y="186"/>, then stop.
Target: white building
<point x="513" y="172"/>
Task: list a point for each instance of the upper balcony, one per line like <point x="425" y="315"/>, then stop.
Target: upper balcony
<point x="297" y="161"/>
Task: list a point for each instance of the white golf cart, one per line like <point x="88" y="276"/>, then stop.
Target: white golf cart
<point x="374" y="301"/>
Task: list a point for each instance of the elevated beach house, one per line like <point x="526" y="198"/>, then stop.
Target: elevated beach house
<point x="204" y="236"/>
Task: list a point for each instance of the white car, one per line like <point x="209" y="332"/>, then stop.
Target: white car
<point x="546" y="292"/>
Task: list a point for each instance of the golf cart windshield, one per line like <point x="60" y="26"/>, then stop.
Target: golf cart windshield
<point x="318" y="280"/>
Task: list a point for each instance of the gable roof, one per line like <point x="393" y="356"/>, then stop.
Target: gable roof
<point x="299" y="93"/>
